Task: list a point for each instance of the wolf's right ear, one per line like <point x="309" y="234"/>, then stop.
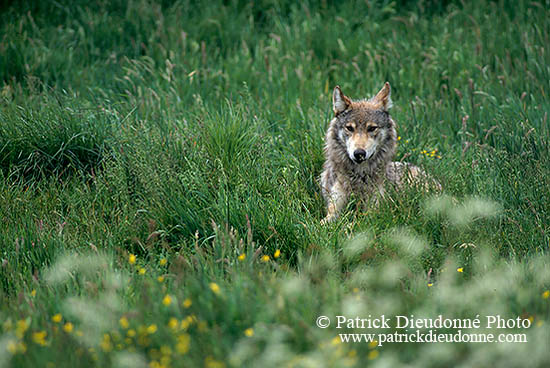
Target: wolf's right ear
<point x="340" y="102"/>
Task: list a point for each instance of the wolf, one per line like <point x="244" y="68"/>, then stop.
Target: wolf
<point x="359" y="147"/>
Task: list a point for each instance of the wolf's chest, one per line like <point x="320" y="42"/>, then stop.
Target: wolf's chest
<point x="364" y="180"/>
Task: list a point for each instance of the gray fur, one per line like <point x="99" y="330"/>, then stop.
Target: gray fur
<point x="342" y="175"/>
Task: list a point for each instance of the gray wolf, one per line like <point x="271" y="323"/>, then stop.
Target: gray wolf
<point x="359" y="147"/>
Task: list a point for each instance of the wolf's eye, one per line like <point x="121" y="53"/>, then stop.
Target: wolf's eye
<point x="371" y="128"/>
<point x="349" y="128"/>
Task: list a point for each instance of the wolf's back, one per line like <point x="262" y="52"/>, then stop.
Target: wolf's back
<point x="400" y="173"/>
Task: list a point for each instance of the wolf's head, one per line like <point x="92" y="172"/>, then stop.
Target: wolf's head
<point x="364" y="127"/>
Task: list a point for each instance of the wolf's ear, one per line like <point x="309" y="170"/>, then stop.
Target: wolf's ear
<point x="382" y="100"/>
<point x="340" y="102"/>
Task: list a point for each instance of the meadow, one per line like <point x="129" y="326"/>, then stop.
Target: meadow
<point x="159" y="196"/>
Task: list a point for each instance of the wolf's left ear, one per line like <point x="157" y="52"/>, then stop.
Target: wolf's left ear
<point x="340" y="102"/>
<point x="383" y="98"/>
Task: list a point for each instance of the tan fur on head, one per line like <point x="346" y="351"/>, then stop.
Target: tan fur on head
<point x="340" y="102"/>
<point x="382" y="100"/>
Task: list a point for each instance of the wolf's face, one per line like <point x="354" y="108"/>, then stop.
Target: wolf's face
<point x="362" y="132"/>
<point x="362" y="126"/>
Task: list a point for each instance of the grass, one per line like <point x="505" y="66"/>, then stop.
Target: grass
<point x="156" y="156"/>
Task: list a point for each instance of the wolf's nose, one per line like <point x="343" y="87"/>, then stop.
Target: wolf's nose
<point x="359" y="155"/>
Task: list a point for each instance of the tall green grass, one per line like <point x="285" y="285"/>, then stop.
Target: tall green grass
<point x="193" y="132"/>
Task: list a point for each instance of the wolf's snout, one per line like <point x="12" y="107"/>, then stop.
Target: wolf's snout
<point x="359" y="155"/>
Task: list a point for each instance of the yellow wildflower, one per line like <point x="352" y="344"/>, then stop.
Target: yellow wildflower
<point x="241" y="257"/>
<point x="430" y="284"/>
<point x="249" y="332"/>
<point x="188" y="321"/>
<point x="163" y="262"/>
<point x="546" y="294"/>
<point x="132" y="259"/>
<point x="460" y="269"/>
<point x="11" y="347"/>
<point x="277" y="254"/>
<point x="20" y="327"/>
<point x="165" y="350"/>
<point x="57" y="318"/>
<point x="165" y="361"/>
<point x="373" y="354"/>
<point x="167" y="300"/>
<point x="187" y="303"/>
<point x="131" y="332"/>
<point x="33" y="293"/>
<point x="142" y="271"/>
<point x="123" y="321"/>
<point x="210" y="362"/>
<point x="106" y="344"/>
<point x="182" y="346"/>
<point x="265" y="258"/>
<point x="215" y="288"/>
<point x="373" y="344"/>
<point x="68" y="327"/>
<point x="173" y="323"/>
<point x="160" y="279"/>
<point x="39" y="337"/>
<point x="151" y="329"/>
